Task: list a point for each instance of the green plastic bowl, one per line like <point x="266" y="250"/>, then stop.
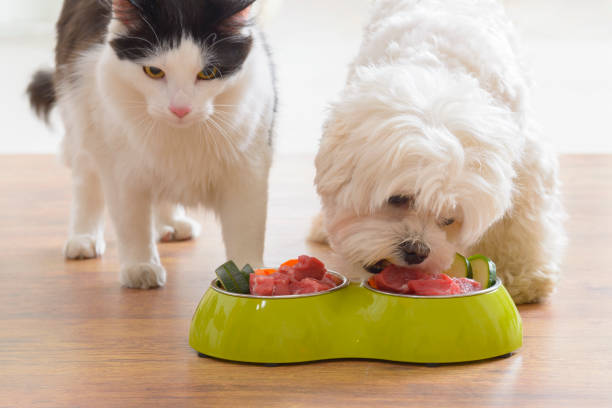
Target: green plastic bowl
<point x="354" y="320"/>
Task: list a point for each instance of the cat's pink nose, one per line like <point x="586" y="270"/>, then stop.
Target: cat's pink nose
<point x="180" y="111"/>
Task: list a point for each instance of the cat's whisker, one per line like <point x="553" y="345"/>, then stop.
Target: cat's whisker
<point x="225" y="106"/>
<point x="139" y="38"/>
<point x="229" y="113"/>
<point x="225" y="111"/>
<point x="134" y="105"/>
<point x="219" y="71"/>
<point x="150" y="132"/>
<point x="145" y="50"/>
<point x="213" y="140"/>
<point x="220" y="128"/>
<point x="229" y="37"/>
<point x="227" y="123"/>
<point x="232" y="147"/>
<point x="211" y="36"/>
<point x="142" y="120"/>
<point x="139" y="121"/>
<point x="200" y="135"/>
<point x="152" y="30"/>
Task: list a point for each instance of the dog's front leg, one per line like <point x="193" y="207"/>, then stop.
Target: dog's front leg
<point x="527" y="244"/>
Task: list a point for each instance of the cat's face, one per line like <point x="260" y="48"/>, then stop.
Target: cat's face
<point x="175" y="58"/>
<point x="178" y="86"/>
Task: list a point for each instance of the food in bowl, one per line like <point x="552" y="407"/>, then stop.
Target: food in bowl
<point x="409" y="281"/>
<point x="463" y="277"/>
<point x="300" y="276"/>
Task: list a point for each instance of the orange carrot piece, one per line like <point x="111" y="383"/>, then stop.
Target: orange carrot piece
<point x="372" y="282"/>
<point x="291" y="262"/>
<point x="269" y="271"/>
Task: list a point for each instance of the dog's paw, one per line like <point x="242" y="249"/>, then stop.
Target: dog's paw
<point x="178" y="229"/>
<point x="143" y="276"/>
<point x="84" y="246"/>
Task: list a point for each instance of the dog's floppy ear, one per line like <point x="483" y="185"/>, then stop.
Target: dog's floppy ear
<point x="333" y="164"/>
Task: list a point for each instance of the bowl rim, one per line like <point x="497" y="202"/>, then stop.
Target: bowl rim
<point x="345" y="283"/>
<point x="493" y="288"/>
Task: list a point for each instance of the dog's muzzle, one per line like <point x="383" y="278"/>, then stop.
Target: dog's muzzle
<point x="414" y="252"/>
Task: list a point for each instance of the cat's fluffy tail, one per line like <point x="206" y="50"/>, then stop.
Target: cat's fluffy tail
<point x="41" y="92"/>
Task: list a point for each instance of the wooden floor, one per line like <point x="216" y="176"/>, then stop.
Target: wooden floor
<point x="71" y="336"/>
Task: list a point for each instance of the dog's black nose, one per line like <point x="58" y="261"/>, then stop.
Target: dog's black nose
<point x="414" y="252"/>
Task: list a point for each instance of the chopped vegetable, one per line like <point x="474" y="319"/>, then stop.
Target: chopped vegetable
<point x="247" y="270"/>
<point x="291" y="262"/>
<point x="372" y="282"/>
<point x="460" y="268"/>
<point x="484" y="270"/>
<point x="265" y="271"/>
<point x="232" y="279"/>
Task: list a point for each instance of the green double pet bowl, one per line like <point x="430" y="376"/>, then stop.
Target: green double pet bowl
<point x="354" y="320"/>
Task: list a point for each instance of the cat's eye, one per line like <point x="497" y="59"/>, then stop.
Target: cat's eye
<point x="447" y="221"/>
<point x="154" y="72"/>
<point x="208" y="73"/>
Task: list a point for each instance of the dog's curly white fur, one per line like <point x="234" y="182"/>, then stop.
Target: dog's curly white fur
<point x="435" y="113"/>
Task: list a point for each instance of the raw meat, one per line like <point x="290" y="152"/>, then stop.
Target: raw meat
<point x="307" y="276"/>
<point x="411" y="281"/>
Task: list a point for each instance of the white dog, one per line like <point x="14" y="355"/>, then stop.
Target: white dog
<point x="431" y="149"/>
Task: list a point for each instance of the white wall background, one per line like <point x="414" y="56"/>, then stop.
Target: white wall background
<point x="569" y="44"/>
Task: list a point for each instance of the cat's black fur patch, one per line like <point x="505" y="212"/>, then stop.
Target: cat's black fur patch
<point x="42" y="93"/>
<point x="154" y="24"/>
<point x="82" y="24"/>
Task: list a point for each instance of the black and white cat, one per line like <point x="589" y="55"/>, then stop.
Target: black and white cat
<point x="164" y="102"/>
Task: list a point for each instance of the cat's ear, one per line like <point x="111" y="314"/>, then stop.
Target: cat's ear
<point x="240" y="17"/>
<point x="243" y="15"/>
<point x="127" y="12"/>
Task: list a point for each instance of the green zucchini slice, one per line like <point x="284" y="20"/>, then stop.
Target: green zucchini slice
<point x="460" y="268"/>
<point x="483" y="270"/>
<point x="247" y="270"/>
<point x="232" y="279"/>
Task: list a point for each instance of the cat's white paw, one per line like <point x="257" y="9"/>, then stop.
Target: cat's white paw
<point x="178" y="229"/>
<point x="84" y="246"/>
<point x="143" y="276"/>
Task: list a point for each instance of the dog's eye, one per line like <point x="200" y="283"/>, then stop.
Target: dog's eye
<point x="401" y="201"/>
<point x="447" y="221"/>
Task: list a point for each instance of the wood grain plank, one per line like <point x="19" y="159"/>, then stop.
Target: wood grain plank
<point x="70" y="336"/>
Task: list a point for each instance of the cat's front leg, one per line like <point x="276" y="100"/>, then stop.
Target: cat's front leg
<point x="131" y="211"/>
<point x="242" y="211"/>
<point x="86" y="236"/>
<point x="171" y="223"/>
